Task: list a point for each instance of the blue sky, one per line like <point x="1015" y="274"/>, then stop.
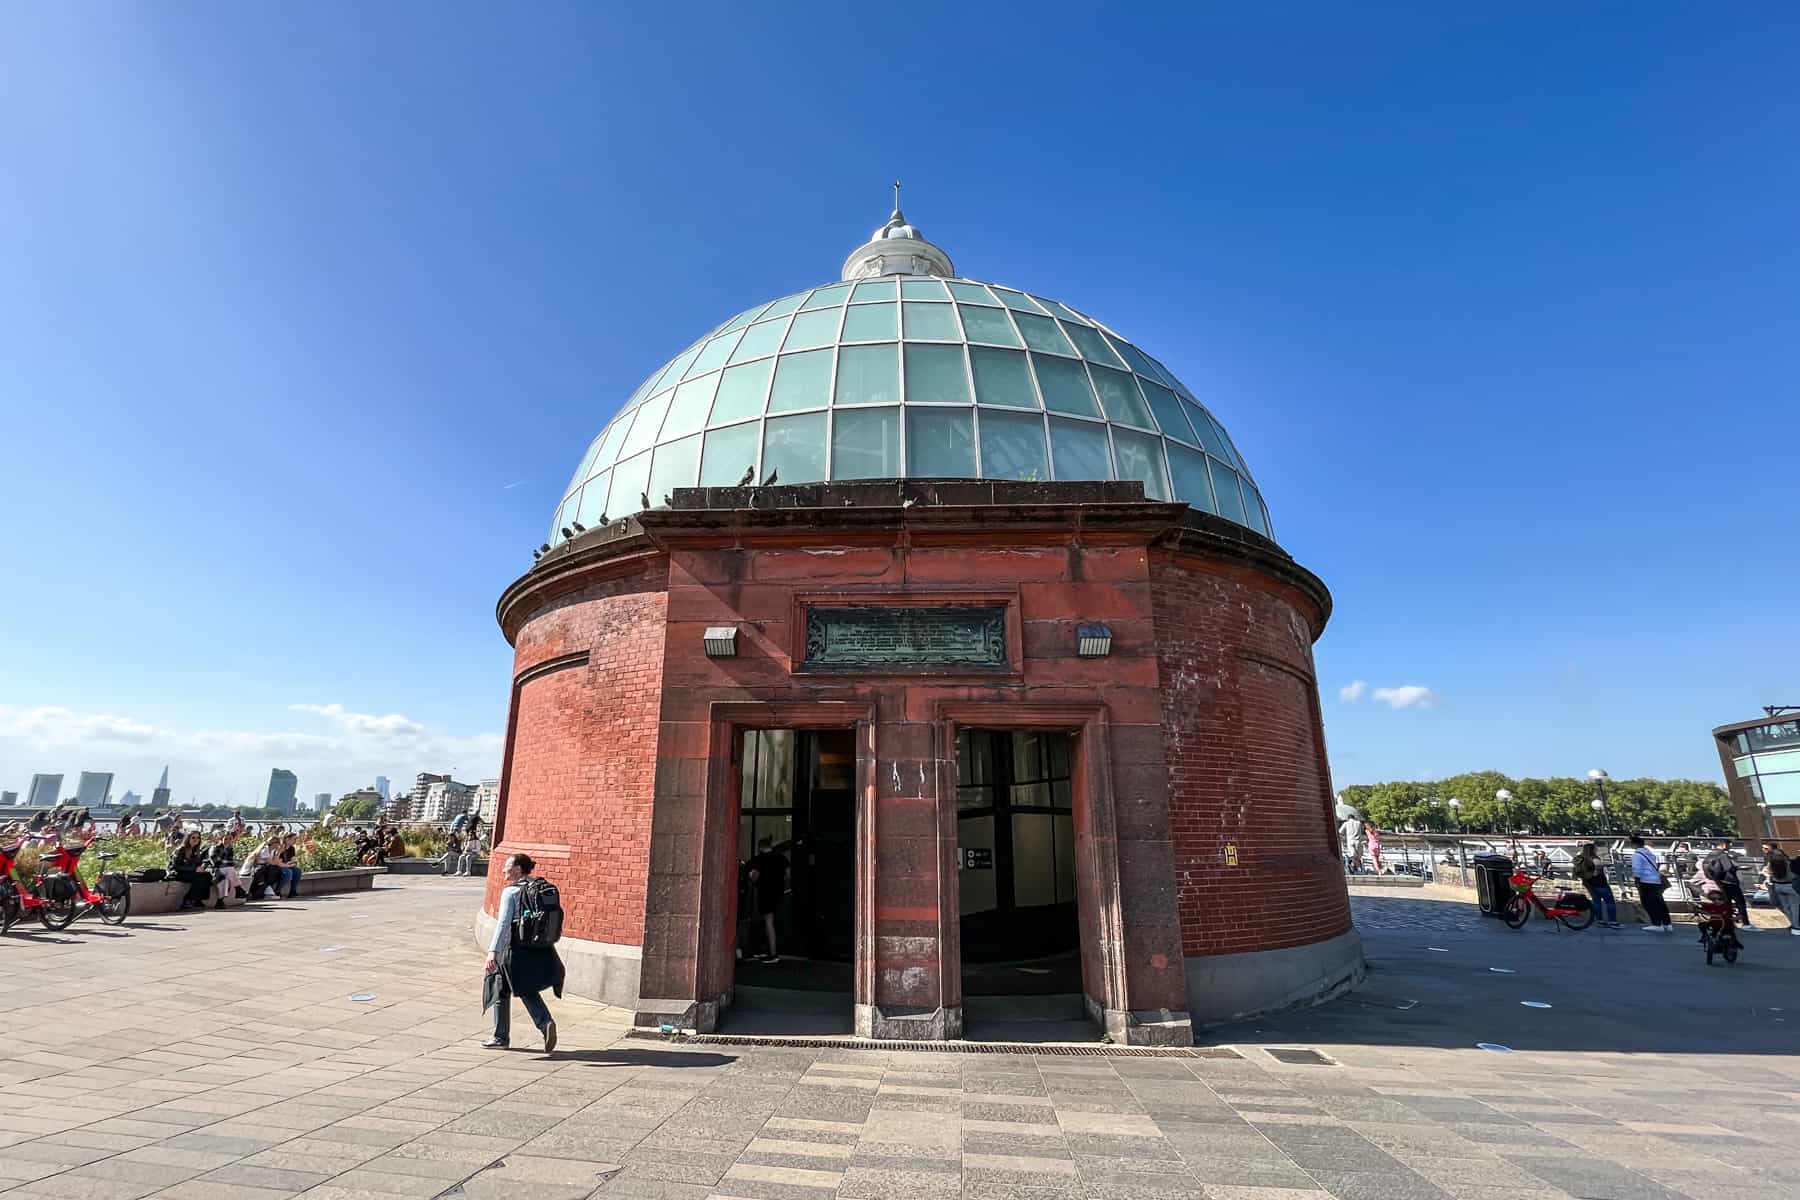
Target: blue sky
<point x="307" y="313"/>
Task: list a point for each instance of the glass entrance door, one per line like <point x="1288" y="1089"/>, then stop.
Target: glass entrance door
<point x="797" y="832"/>
<point x="1015" y="844"/>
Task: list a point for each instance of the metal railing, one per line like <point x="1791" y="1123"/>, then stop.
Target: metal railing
<point x="1449" y="858"/>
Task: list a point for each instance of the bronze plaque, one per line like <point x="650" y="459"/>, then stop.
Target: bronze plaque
<point x="899" y="636"/>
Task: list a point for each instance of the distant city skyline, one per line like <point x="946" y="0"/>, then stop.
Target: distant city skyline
<point x="47" y="788"/>
<point x="328" y="746"/>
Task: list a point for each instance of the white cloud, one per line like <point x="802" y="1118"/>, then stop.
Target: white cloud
<point x="232" y="765"/>
<point x="1353" y="690"/>
<point x="1412" y="695"/>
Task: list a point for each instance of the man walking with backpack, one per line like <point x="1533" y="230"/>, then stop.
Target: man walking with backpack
<point x="522" y="957"/>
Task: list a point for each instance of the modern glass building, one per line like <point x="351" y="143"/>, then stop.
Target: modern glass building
<point x="1761" y="759"/>
<point x="912" y="377"/>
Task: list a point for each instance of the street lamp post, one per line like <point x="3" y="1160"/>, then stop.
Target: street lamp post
<point x="1506" y="814"/>
<point x="1599" y="807"/>
<point x="1462" y="851"/>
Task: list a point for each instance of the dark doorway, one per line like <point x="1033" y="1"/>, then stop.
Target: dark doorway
<point x="797" y="836"/>
<point x="1015" y="828"/>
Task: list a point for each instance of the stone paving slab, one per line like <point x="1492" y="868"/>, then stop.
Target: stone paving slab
<point x="1652" y="1076"/>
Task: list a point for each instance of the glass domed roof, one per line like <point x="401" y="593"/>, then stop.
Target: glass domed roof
<point x="916" y="377"/>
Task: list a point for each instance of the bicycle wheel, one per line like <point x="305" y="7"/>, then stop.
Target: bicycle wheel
<point x="58" y="914"/>
<point x="9" y="909"/>
<point x="114" y="909"/>
<point x="1578" y="921"/>
<point x="1518" y="911"/>
<point x="1730" y="954"/>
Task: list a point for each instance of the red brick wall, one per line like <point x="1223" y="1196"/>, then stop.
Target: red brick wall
<point x="581" y="784"/>
<point x="755" y="588"/>
<point x="1245" y="759"/>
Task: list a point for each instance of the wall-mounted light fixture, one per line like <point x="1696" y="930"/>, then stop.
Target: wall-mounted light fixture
<point x="721" y="641"/>
<point x="1093" y="641"/>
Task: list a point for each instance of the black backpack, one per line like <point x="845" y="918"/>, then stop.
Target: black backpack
<point x="1718" y="867"/>
<point x="540" y="913"/>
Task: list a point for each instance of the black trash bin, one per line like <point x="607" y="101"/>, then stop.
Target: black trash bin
<point x="1493" y="886"/>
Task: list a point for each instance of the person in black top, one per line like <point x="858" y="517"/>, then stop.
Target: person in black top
<point x="222" y="860"/>
<point x="768" y="881"/>
<point x="288" y="861"/>
<point x="187" y="863"/>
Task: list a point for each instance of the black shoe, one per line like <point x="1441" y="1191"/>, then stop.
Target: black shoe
<point x="240" y="893"/>
<point x="494" y="1044"/>
<point x="219" y="903"/>
<point x="549" y="1036"/>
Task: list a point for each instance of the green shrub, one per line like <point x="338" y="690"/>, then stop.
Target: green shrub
<point x="318" y="853"/>
<point x="423" y="841"/>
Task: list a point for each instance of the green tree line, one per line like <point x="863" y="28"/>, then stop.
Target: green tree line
<point x="1672" y="807"/>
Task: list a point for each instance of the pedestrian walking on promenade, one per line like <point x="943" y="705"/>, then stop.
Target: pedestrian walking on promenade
<point x="522" y="957"/>
<point x="1350" y="841"/>
<point x="1650" y="881"/>
<point x="1593" y="878"/>
<point x="1778" y="873"/>
<point x="1720" y="865"/>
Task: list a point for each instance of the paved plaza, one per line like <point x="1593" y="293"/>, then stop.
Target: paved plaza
<point x="221" y="1056"/>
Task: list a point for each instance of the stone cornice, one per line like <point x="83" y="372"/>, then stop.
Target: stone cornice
<point x="915" y="512"/>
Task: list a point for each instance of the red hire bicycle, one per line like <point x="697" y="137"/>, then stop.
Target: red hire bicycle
<point x="57" y="894"/>
<point x="1571" y="909"/>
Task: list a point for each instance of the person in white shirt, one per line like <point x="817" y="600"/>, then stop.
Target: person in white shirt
<point x="1350" y="840"/>
<point x="1647" y="872"/>
<point x="515" y="969"/>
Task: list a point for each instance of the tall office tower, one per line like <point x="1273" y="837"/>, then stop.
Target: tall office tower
<point x="281" y="791"/>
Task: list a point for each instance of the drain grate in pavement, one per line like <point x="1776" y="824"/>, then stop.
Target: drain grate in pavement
<point x="827" y="1043"/>
<point x="1304" y="1057"/>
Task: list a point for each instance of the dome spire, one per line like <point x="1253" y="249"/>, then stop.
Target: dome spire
<point x="897" y="248"/>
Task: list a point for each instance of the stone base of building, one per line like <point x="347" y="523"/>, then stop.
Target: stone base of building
<point x="1233" y="987"/>
<point x="593" y="970"/>
<point x="1159" y="1028"/>
<point x="697" y="1016"/>
<point x="889" y="1023"/>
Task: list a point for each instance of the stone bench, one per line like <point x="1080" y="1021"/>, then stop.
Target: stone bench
<point x="149" y="899"/>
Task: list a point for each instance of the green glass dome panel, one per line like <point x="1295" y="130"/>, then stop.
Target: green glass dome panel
<point x="911" y="378"/>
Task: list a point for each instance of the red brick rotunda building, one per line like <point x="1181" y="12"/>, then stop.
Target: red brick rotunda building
<point x="944" y="626"/>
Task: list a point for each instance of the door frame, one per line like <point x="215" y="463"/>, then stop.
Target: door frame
<point x="1099" y="908"/>
<point x="727" y="720"/>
